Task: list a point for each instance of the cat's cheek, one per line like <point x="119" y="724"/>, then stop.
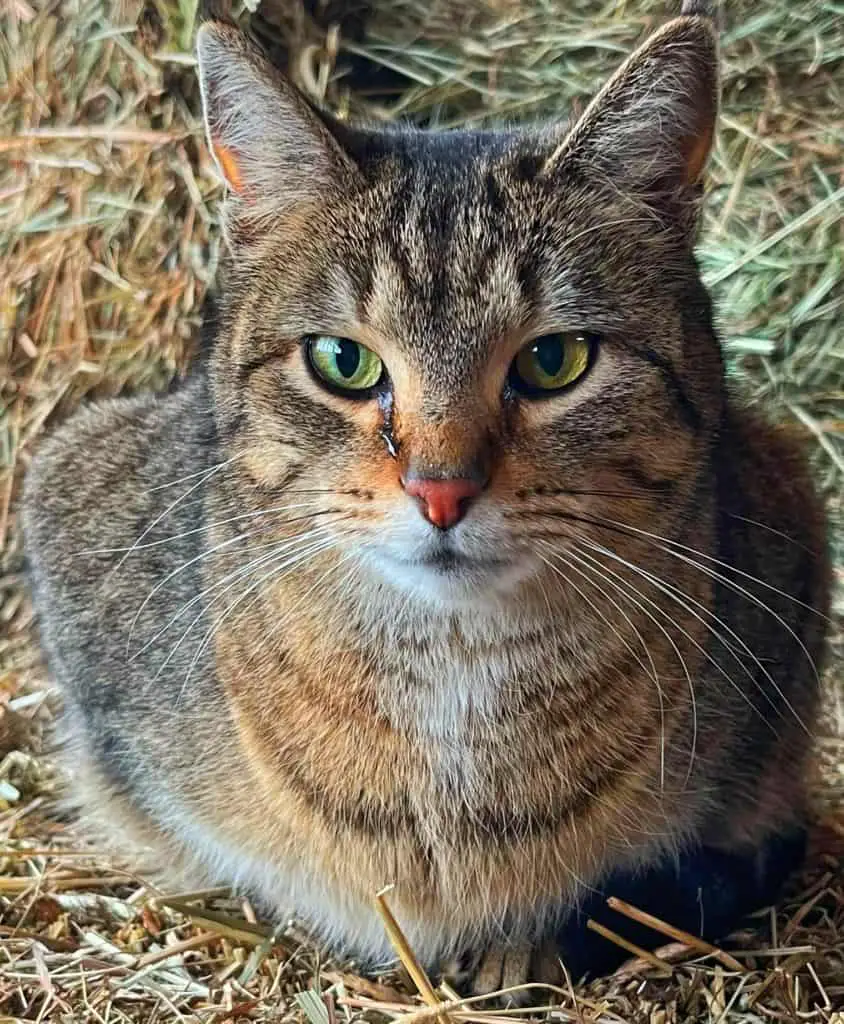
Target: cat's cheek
<point x="372" y="480"/>
<point x="268" y="465"/>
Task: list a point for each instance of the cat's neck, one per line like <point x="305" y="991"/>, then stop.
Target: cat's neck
<point x="440" y="669"/>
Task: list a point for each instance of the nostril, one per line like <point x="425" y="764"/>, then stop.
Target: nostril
<point x="443" y="502"/>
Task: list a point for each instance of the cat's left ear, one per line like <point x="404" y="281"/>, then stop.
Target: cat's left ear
<point x="649" y="131"/>
<point x="272" y="147"/>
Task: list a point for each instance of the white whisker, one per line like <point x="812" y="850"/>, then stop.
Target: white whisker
<point x="204" y="554"/>
<point x="605" y="574"/>
<point x="716" y="561"/>
<point x="677" y="594"/>
<point x="162" y="515"/>
<point x="171" y="575"/>
<point x="214" y="524"/>
<point x="732" y="585"/>
<point x="652" y="672"/>
<point x="192" y="476"/>
<point x="316" y="548"/>
<point x="773" y="530"/>
<point x="716" y="664"/>
<point x="278" y="548"/>
<point x="234" y="577"/>
<point x="292" y="611"/>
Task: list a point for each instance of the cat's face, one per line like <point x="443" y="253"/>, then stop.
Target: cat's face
<point x="461" y="356"/>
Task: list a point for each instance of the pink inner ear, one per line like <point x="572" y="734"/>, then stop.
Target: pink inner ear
<point x="228" y="162"/>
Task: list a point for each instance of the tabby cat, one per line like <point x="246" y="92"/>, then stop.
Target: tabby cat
<point x="454" y="566"/>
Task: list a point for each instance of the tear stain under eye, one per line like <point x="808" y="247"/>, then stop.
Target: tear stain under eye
<point x="385" y="404"/>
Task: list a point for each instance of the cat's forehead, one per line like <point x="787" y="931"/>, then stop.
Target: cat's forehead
<point x="448" y="238"/>
<point x="434" y="190"/>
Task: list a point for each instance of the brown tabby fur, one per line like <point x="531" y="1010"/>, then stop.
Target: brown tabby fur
<point x="626" y="668"/>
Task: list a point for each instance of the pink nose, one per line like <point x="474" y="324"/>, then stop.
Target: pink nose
<point x="443" y="502"/>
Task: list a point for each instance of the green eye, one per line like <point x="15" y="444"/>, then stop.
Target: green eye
<point x="343" y="364"/>
<point x="552" y="362"/>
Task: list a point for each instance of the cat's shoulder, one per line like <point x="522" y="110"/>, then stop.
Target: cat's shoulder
<point x="783" y="517"/>
<point x="773" y="462"/>
<point x="101" y="472"/>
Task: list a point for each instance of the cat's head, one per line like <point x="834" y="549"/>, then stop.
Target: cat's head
<point x="455" y="353"/>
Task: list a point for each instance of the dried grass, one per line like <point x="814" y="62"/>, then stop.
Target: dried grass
<point x="108" y="240"/>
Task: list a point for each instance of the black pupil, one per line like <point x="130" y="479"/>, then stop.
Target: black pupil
<point x="549" y="354"/>
<point x="348" y="358"/>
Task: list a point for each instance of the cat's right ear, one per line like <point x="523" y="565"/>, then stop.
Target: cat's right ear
<point x="270" y="145"/>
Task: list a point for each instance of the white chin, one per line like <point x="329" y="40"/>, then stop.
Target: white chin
<point x="474" y="584"/>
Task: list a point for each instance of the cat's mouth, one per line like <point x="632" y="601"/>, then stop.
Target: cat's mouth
<point x="442" y="573"/>
<point x="447" y="560"/>
<point x="445" y="555"/>
<point x="444" y="564"/>
<point x="456" y="566"/>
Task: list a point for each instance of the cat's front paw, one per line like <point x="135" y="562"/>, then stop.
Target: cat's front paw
<point x="505" y="966"/>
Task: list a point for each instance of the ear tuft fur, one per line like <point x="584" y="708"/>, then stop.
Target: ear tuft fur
<point x="699" y="8"/>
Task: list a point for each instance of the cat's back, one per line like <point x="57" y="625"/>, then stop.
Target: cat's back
<point x="112" y="500"/>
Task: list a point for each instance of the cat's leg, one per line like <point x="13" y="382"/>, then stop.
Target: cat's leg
<point x="95" y="797"/>
<point x="706" y="892"/>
